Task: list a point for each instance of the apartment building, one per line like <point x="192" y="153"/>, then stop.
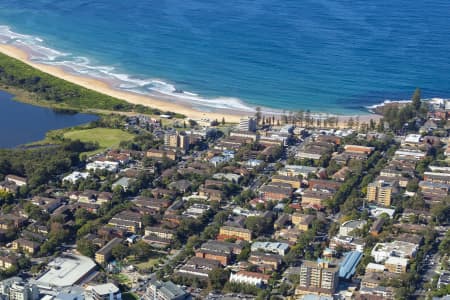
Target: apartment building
<point x="380" y="192"/>
<point x="295" y="182"/>
<point x="25" y="245"/>
<point x="302" y="221"/>
<point x="247" y="124"/>
<point x="227" y="232"/>
<point x="218" y="250"/>
<point x="104" y="254"/>
<point x="318" y="278"/>
<point x="160" y="232"/>
<point x="160" y="154"/>
<point x="276" y="192"/>
<point x="396" y="264"/>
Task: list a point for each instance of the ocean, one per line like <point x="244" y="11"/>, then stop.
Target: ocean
<point x="336" y="56"/>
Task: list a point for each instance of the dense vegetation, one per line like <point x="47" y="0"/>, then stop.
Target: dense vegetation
<point x="52" y="91"/>
<point x="42" y="164"/>
<point x="402" y="116"/>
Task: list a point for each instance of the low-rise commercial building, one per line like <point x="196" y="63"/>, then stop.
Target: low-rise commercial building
<point x="65" y="271"/>
<point x="107" y="291"/>
<point x="402" y="249"/>
<point x="165" y="290"/>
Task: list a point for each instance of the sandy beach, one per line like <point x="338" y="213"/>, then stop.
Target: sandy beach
<point x="161" y="104"/>
<point x="104" y="88"/>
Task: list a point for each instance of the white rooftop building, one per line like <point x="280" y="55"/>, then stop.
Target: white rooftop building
<point x="253" y="163"/>
<point x="347" y="227"/>
<point x="250" y="278"/>
<point x="378" y="211"/>
<point x="411" y="154"/>
<point x="413" y="139"/>
<point x="295" y="170"/>
<point x="66" y="270"/>
<point x="196" y="210"/>
<point x="228" y="176"/>
<point x="278" y="248"/>
<point x="382" y="251"/>
<point x="107" y="291"/>
<point x="75" y="176"/>
<point x="111" y="166"/>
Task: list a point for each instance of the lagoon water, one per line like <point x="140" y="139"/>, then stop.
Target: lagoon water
<point x="22" y="123"/>
<point x="323" y="55"/>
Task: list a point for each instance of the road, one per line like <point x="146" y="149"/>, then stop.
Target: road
<point x="429" y="267"/>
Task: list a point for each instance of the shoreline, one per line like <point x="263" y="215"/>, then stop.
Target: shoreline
<point x="164" y="104"/>
<point x="104" y="88"/>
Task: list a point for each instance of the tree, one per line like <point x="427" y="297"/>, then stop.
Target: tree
<point x="416" y="99"/>
<point x="245" y="252"/>
<point x="87" y="247"/>
<point x="120" y="251"/>
<point x="444" y="246"/>
<point x="148" y="220"/>
<point x="141" y="251"/>
<point x="218" y="277"/>
<point x="350" y="122"/>
<point x="258" y="225"/>
<point x="307" y="117"/>
<point x="441" y="211"/>
<point x="372" y="124"/>
<point x="413" y="185"/>
<point x="300" y="116"/>
<point x="192" y="123"/>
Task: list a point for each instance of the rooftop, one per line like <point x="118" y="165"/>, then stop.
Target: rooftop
<point x="348" y="266"/>
<point x="105" y="289"/>
<point x="169" y="289"/>
<point x="397" y="261"/>
<point x="66" y="270"/>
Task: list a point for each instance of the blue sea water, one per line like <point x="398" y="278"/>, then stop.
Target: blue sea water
<point x="337" y="56"/>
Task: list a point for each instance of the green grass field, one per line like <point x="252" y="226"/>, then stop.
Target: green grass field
<point x="122" y="279"/>
<point x="105" y="137"/>
<point x="130" y="296"/>
<point x="147" y="265"/>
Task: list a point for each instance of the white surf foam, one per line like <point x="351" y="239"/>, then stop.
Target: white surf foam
<point x="435" y="100"/>
<point x="39" y="52"/>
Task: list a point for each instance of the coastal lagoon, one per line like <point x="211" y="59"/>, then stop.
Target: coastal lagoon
<point x="337" y="56"/>
<point x="22" y="123"/>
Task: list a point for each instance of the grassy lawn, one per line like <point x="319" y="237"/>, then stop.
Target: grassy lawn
<point x="130" y="296"/>
<point x="122" y="279"/>
<point x="147" y="265"/>
<point x="105" y="137"/>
